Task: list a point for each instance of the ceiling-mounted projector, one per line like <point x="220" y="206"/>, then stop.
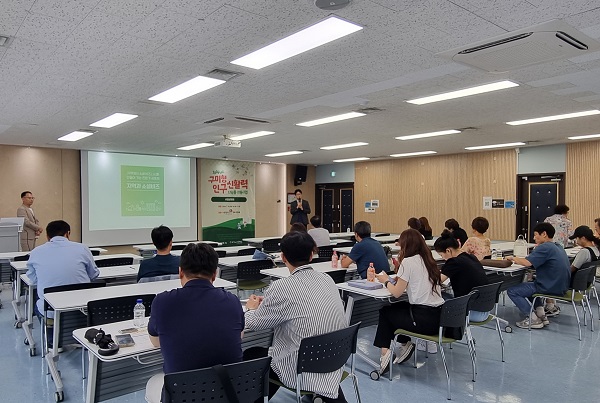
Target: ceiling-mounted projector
<point x="331" y="4"/>
<point x="226" y="142"/>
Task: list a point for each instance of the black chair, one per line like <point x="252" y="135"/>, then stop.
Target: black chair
<point x="178" y="247"/>
<point x="221" y="253"/>
<point x="95" y="252"/>
<point x="114" y="261"/>
<point x="248" y="274"/>
<point x="454" y="315"/>
<point x="246" y="252"/>
<point x="102" y="311"/>
<point x="320" y="259"/>
<point x="485" y="300"/>
<point x="244" y="382"/>
<point x="344" y="244"/>
<point x="326" y="251"/>
<point x="271" y="245"/>
<point x="353" y="239"/>
<point x="338" y="276"/>
<point x="22" y="258"/>
<point x="326" y="353"/>
<point x="382" y="234"/>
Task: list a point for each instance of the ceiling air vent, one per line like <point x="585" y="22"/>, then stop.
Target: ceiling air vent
<point x="554" y="40"/>
<point x="5" y="40"/>
<point x="370" y="110"/>
<point x="238" y="122"/>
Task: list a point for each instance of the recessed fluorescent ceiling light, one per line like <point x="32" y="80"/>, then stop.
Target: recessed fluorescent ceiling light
<point x="309" y="38"/>
<point x="187" y="89"/>
<point x="283" y="154"/>
<point x="344" y="146"/>
<point x="495" y="146"/>
<point x="76" y="135"/>
<point x="464" y="93"/>
<point x="251" y="135"/>
<point x="114" y="120"/>
<point x="195" y="146"/>
<point x="554" y="117"/>
<point x="331" y="119"/>
<point x="413" y="154"/>
<point x="587" y="136"/>
<point x="353" y="159"/>
<point x="424" y="135"/>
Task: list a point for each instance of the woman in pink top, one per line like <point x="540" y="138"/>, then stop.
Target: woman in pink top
<point x="478" y="244"/>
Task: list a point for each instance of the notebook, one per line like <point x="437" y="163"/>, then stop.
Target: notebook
<point x="364" y="284"/>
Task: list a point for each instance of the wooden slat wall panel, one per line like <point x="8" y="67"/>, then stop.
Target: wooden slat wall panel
<point x="439" y="188"/>
<point x="582" y="192"/>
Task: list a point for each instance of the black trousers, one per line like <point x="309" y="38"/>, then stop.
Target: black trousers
<point x="401" y="315"/>
<point x="253" y="353"/>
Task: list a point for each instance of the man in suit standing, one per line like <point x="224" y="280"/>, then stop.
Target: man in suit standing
<point x="300" y="209"/>
<point x="31" y="225"/>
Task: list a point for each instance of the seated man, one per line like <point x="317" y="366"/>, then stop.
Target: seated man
<point x="318" y="233"/>
<point x="163" y="263"/>
<point x="198" y="325"/>
<point x="552" y="276"/>
<point x="366" y="251"/>
<point x="59" y="262"/>
<point x="305" y="304"/>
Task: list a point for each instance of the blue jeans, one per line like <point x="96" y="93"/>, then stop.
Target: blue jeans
<point x="477" y="316"/>
<point x="521" y="294"/>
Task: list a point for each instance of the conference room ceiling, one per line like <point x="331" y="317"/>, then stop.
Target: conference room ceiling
<point x="69" y="63"/>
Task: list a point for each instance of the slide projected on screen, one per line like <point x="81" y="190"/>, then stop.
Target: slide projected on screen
<point x="124" y="196"/>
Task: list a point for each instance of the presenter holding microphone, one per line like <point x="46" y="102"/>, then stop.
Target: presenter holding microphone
<point x="31" y="225"/>
<point x="300" y="209"/>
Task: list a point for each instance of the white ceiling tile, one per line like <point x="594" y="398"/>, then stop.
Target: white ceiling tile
<point x="162" y="25"/>
<point x="65" y="9"/>
<point x="193" y="7"/>
<point x="11" y="19"/>
<point x="133" y="10"/>
<point x="46" y="29"/>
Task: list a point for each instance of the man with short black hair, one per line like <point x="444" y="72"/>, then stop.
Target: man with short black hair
<point x="163" y="263"/>
<point x="198" y="325"/>
<point x="300" y="209"/>
<point x="318" y="233"/>
<point x="366" y="251"/>
<point x="305" y="304"/>
<point x="59" y="261"/>
<point x="31" y="225"/>
<point x="552" y="270"/>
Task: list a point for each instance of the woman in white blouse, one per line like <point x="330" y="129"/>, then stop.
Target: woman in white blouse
<point x="418" y="276"/>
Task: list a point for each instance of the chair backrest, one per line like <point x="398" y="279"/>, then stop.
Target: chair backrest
<point x="327" y="352"/>
<point x="353" y="239"/>
<point x="344" y="244"/>
<point x="485" y="298"/>
<point x="114" y="261"/>
<point x="246" y="252"/>
<point x="95" y="252"/>
<point x="250" y="270"/>
<point x="592" y="273"/>
<point x="164" y="277"/>
<point x="250" y="380"/>
<point x="326" y="251"/>
<point x="271" y="245"/>
<point x="72" y="287"/>
<point x="221" y="253"/>
<point x="383" y="234"/>
<point x="455" y="311"/>
<point x="22" y="258"/>
<point x="102" y="311"/>
<point x="178" y="247"/>
<point x="320" y="259"/>
<point x="338" y="276"/>
<point x="581" y="278"/>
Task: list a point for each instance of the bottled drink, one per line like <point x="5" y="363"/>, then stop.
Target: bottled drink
<point x="496" y="254"/>
<point x="371" y="272"/>
<point x="348" y="229"/>
<point x="139" y="314"/>
<point x="334" y="260"/>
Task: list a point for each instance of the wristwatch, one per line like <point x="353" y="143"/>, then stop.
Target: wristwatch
<point x="385" y="283"/>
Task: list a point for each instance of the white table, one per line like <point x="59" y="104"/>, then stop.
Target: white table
<point x="99" y="250"/>
<point x="322" y="267"/>
<point x="75" y="300"/>
<point x="395" y="249"/>
<point x="148" y="250"/>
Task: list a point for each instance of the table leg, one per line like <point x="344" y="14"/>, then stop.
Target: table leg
<point x="28" y="324"/>
<point x="52" y="358"/>
<point x="90" y="391"/>
<point x="17" y="300"/>
<point x="348" y="312"/>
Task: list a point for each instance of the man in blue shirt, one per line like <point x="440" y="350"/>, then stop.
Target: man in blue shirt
<point x="163" y="263"/>
<point x="552" y="271"/>
<point x="366" y="251"/>
<point x="59" y="261"/>
<point x="198" y="325"/>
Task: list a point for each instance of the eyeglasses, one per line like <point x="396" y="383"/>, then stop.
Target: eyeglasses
<point x="30" y="197"/>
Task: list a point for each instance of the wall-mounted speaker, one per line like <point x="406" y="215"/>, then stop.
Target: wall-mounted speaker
<point x="300" y="176"/>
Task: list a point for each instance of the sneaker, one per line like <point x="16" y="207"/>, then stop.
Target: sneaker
<point x="429" y="345"/>
<point x="384" y="362"/>
<point x="544" y="319"/>
<point x="551" y="312"/>
<point x="405" y="352"/>
<point x="535" y="323"/>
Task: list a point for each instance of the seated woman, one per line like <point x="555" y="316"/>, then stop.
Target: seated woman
<point x="453" y="226"/>
<point x="463" y="269"/>
<point x="414" y="223"/>
<point x="478" y="244"/>
<point x="425" y="229"/>
<point x="419" y="277"/>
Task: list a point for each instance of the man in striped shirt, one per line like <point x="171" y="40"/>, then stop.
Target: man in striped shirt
<point x="305" y="304"/>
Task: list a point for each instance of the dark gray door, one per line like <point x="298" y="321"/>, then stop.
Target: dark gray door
<point x="327" y="220"/>
<point x="538" y="196"/>
<point x="347" y="209"/>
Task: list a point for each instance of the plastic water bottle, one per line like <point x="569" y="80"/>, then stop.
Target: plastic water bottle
<point x="334" y="260"/>
<point x="139" y="314"/>
<point x="496" y="254"/>
<point x="348" y="229"/>
<point x="371" y="272"/>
